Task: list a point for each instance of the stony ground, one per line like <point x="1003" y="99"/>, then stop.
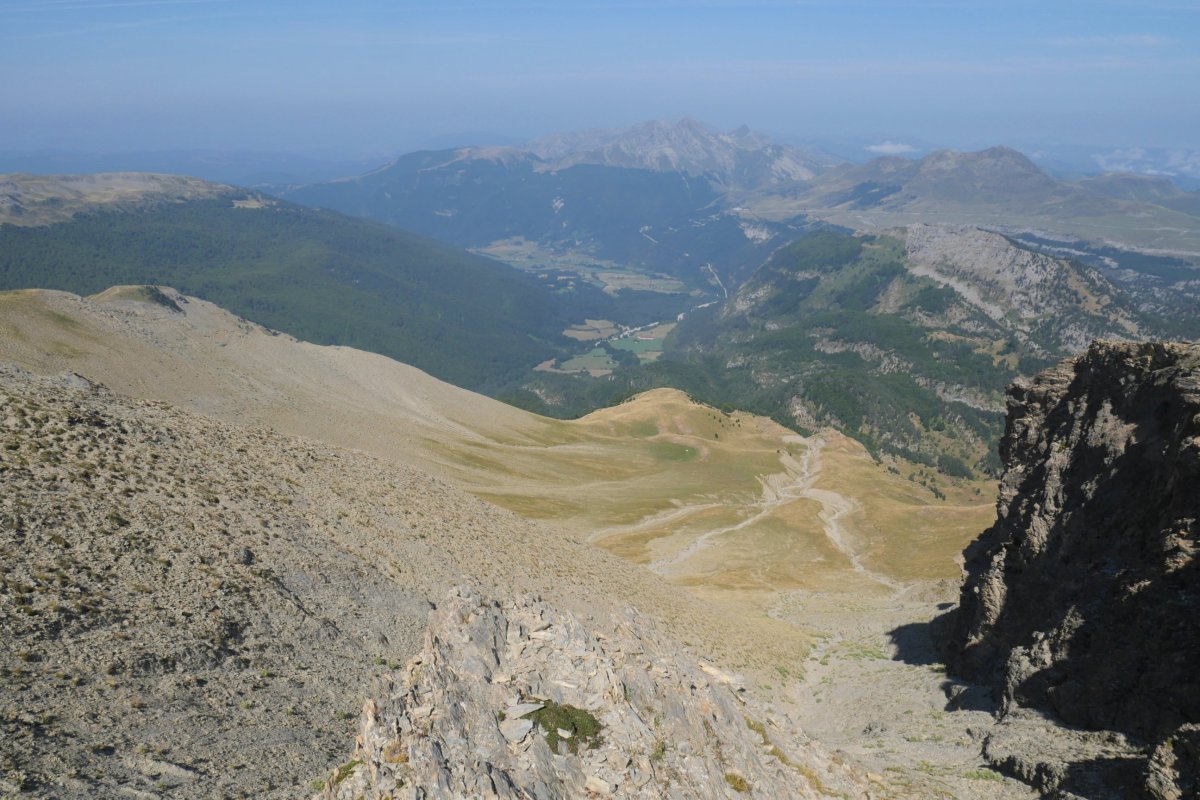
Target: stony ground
<point x="517" y="699"/>
<point x="874" y="688"/>
<point x="175" y="614"/>
<point x="195" y="609"/>
<point x="650" y="477"/>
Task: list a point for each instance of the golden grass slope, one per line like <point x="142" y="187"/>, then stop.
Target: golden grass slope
<point x="734" y="506"/>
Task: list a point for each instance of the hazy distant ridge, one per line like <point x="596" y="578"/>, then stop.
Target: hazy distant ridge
<point x="740" y="159"/>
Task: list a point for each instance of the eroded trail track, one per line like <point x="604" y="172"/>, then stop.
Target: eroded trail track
<point x="796" y="482"/>
<point x="872" y="686"/>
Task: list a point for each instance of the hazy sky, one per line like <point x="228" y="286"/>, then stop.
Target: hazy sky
<point x="356" y="77"/>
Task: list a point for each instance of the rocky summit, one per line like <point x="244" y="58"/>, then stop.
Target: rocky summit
<point x="519" y="700"/>
<point x="1081" y="600"/>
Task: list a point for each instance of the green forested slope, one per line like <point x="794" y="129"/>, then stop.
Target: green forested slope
<point x="804" y="341"/>
<point x="847" y="331"/>
<point x="317" y="275"/>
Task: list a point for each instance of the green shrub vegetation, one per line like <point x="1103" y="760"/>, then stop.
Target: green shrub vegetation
<point x="584" y="729"/>
<point x="983" y="775"/>
<point x="344" y="771"/>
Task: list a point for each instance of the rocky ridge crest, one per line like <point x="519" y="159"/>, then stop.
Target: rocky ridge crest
<point x="1062" y="303"/>
<point x="740" y="159"/>
<point x="30" y="200"/>
<point x="519" y="700"/>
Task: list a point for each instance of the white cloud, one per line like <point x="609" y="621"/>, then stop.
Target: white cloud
<point x="1155" y="161"/>
<point x="891" y="148"/>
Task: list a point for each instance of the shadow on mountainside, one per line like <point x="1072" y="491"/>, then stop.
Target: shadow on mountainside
<point x="916" y="645"/>
<point x="1110" y="777"/>
<point x="1103" y="778"/>
<point x="1014" y="747"/>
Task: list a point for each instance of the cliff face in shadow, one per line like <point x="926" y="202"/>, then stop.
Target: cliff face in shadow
<point x="1082" y="598"/>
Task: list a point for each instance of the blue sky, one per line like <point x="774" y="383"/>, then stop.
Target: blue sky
<point x="364" y="77"/>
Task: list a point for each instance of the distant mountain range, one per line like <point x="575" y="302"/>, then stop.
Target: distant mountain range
<point x="655" y="199"/>
<point x="739" y="160"/>
<point x="904" y="340"/>
<point x="672" y="198"/>
<point x="998" y="188"/>
<point x="928" y="321"/>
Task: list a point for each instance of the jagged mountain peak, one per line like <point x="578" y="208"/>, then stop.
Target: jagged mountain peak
<point x="993" y="176"/>
<point x="1080" y="600"/>
<point x="742" y="158"/>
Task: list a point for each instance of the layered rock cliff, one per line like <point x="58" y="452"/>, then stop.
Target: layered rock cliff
<point x="1082" y="598"/>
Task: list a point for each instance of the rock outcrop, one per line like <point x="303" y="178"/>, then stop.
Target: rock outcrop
<point x="1174" y="770"/>
<point x="519" y="700"/>
<point x="1082" y="598"/>
<point x="1059" y="303"/>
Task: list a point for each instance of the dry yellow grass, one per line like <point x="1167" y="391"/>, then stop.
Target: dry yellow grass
<point x="733" y="507"/>
<point x="903" y="530"/>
